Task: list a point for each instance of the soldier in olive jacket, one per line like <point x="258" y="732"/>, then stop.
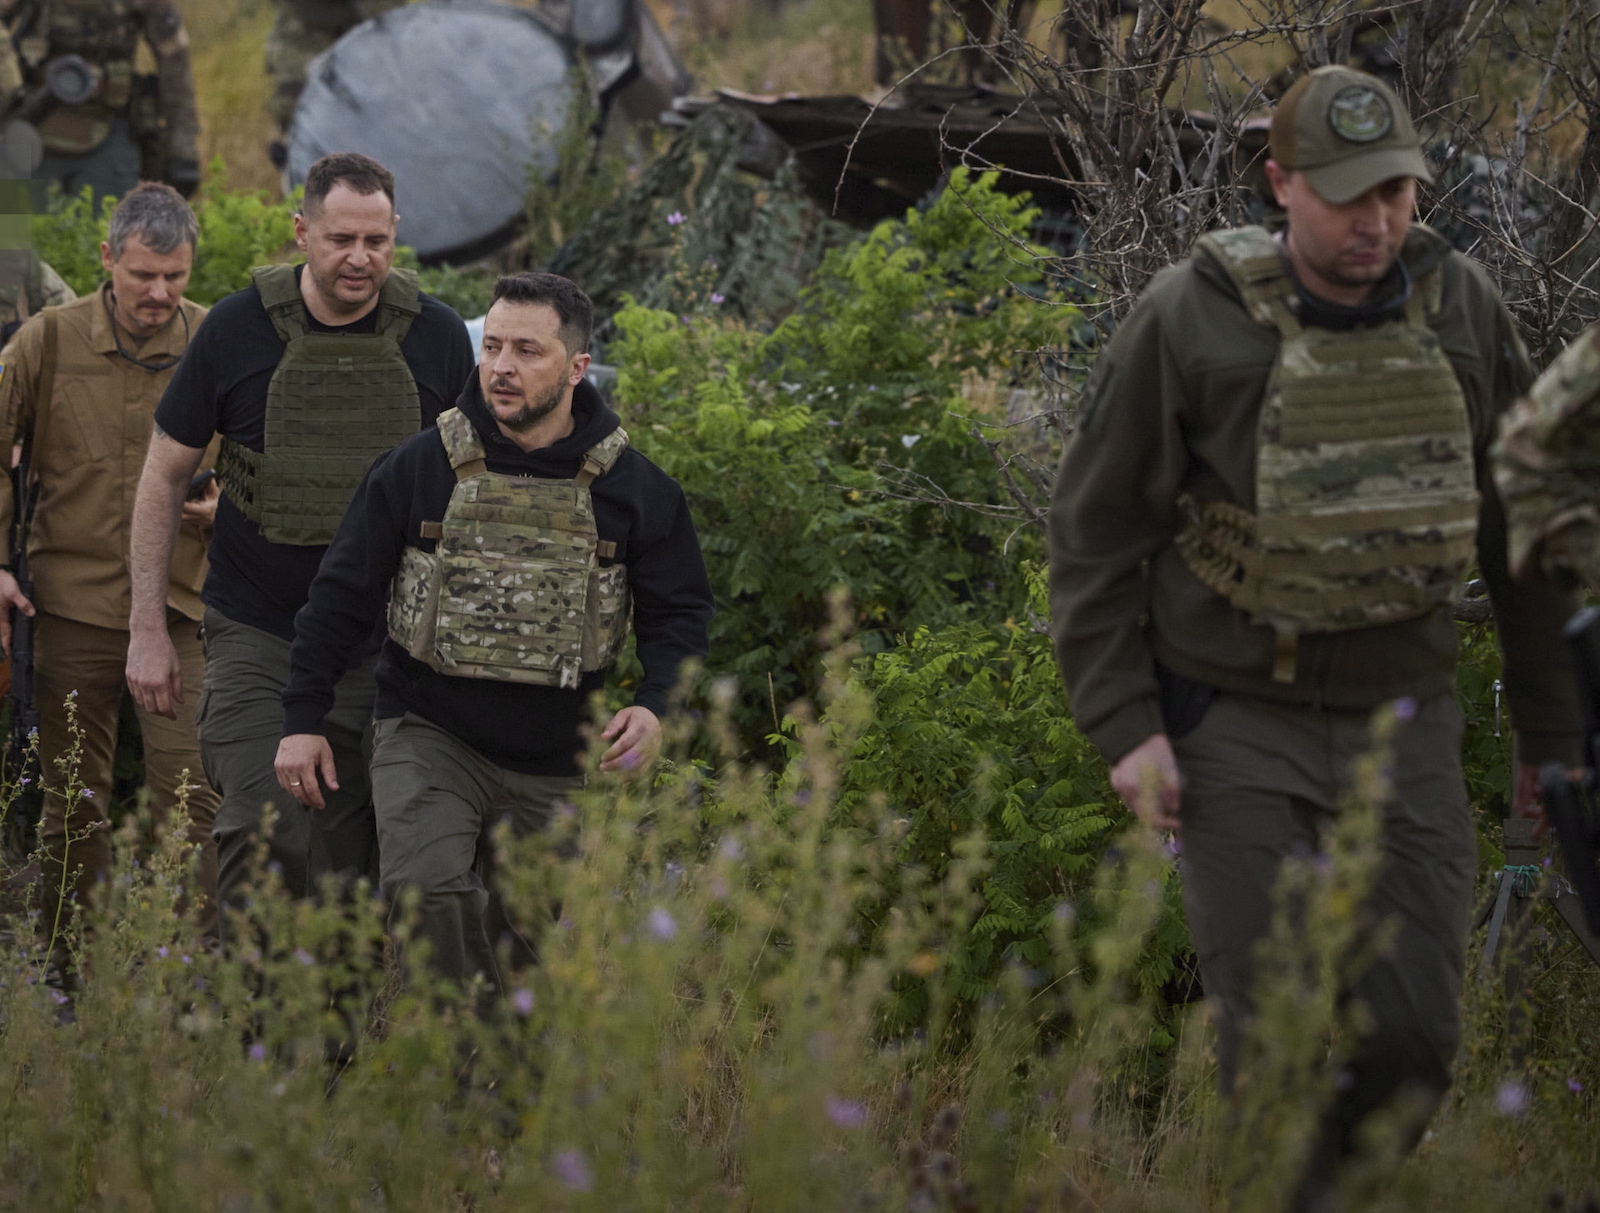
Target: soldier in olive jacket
<point x="1547" y="465"/>
<point x="1278" y="483"/>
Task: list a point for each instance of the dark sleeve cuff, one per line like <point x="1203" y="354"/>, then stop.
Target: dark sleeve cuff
<point x="653" y="699"/>
<point x="1539" y="748"/>
<point x="1129" y="726"/>
<point x="304" y="718"/>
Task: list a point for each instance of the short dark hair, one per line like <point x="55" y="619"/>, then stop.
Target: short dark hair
<point x="360" y="173"/>
<point x="572" y="307"/>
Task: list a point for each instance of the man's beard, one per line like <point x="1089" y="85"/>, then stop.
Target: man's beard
<point x="529" y="415"/>
<point x="328" y="285"/>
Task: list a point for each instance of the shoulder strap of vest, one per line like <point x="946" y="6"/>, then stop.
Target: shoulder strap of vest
<point x="1255" y="263"/>
<point x="280" y="295"/>
<point x="398" y="304"/>
<point x="462" y="446"/>
<point x="1427" y="299"/>
<point x="32" y="287"/>
<point x="599" y="458"/>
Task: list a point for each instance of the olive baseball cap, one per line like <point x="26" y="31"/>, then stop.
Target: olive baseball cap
<point x="1347" y="132"/>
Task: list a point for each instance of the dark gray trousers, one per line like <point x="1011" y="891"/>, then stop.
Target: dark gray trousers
<point x="1261" y="783"/>
<point x="240" y="723"/>
<point x="438" y="801"/>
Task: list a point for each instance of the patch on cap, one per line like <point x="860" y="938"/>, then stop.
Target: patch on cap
<point x="1359" y="113"/>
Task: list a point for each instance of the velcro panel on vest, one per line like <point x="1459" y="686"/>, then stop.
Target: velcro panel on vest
<point x="336" y="402"/>
<point x="516" y="558"/>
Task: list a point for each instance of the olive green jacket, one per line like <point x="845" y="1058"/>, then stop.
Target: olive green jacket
<point x="1171" y="407"/>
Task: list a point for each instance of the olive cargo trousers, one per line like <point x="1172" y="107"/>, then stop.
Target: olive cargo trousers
<point x="1261" y="782"/>
<point x="90" y="663"/>
<point x="438" y="801"/>
<point x="241" y="721"/>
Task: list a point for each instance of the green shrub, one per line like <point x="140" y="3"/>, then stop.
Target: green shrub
<point x="815" y="457"/>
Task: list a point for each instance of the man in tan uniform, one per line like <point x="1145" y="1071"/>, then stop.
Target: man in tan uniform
<point x="79" y="386"/>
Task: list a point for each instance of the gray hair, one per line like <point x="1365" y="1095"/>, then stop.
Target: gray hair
<point x="155" y="213"/>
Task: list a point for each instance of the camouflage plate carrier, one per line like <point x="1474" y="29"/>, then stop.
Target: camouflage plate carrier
<point x="514" y="589"/>
<point x="336" y="402"/>
<point x="1547" y="466"/>
<point x="1366" y="502"/>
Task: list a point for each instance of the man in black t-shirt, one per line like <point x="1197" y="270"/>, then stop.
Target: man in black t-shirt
<point x="308" y="374"/>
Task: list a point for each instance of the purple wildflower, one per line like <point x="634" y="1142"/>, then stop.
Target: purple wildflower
<point x="1574" y="1086"/>
<point x="1512" y="1098"/>
<point x="675" y="218"/>
<point x="522" y="1002"/>
<point x="87" y="794"/>
<point x="1405" y="708"/>
<point x="846" y="1113"/>
<point x="572" y="1170"/>
<point x="663" y="925"/>
<point x="717" y="300"/>
<point x="188" y="960"/>
<point x="304" y="957"/>
<point x="258" y="1052"/>
<point x="162" y="951"/>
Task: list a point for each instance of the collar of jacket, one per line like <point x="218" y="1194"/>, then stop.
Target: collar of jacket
<point x="1422" y="252"/>
<point x="169" y="341"/>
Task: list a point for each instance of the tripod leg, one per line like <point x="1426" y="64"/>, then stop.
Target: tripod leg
<point x="1497" y="922"/>
<point x="1569" y="909"/>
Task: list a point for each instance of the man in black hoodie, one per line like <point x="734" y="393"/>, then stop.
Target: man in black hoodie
<point x="510" y="544"/>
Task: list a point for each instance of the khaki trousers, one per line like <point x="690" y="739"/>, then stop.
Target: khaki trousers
<point x="438" y="800"/>
<point x="241" y="722"/>
<point x="90" y="663"/>
<point x="1262" y="781"/>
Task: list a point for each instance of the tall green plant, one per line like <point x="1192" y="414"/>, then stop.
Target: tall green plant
<point x="796" y="447"/>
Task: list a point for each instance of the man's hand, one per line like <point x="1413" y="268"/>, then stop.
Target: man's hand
<point x="301" y="758"/>
<point x="155" y="675"/>
<point x="635" y="734"/>
<point x="1526" y="800"/>
<point x="203" y="509"/>
<point x="1147" y="779"/>
<point x="10" y="596"/>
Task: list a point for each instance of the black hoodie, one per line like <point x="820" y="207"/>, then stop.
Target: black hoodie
<point x="531" y="729"/>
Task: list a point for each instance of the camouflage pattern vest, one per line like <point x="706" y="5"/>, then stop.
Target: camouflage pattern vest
<point x="514" y="589"/>
<point x="336" y="402"/>
<point x="1366" y="502"/>
<point x="104" y="32"/>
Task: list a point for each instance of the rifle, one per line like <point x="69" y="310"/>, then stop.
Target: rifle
<point x="24" y="715"/>
<point x="1573" y="805"/>
<point x="24" y="496"/>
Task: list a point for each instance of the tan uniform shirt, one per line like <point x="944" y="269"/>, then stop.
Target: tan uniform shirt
<point x="89" y="443"/>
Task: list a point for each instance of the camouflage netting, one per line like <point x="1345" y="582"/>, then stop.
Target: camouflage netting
<point x="697" y="225"/>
